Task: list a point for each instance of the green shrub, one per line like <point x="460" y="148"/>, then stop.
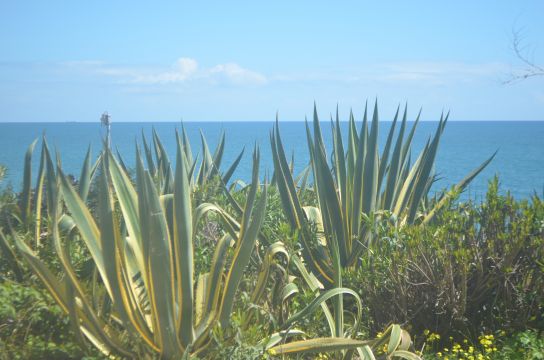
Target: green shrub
<point x="528" y="344"/>
<point x="477" y="268"/>
<point x="33" y="326"/>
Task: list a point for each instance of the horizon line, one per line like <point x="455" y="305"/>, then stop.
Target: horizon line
<point x="244" y="121"/>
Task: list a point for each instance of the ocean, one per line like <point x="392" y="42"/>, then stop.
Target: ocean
<point x="465" y="144"/>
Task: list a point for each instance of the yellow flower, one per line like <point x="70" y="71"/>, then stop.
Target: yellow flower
<point x="426" y="332"/>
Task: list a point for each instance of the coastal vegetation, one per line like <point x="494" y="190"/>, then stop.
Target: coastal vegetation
<point x="352" y="258"/>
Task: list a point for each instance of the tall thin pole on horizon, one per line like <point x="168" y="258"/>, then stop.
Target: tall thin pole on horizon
<point x="105" y="120"/>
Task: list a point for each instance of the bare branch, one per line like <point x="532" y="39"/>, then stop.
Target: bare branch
<point x="531" y="69"/>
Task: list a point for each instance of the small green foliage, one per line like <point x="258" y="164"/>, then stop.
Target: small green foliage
<point x="33" y="326"/>
<point x="476" y="268"/>
<point x="528" y="344"/>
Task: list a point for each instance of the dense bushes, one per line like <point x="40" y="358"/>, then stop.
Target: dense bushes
<point x="32" y="326"/>
<point x="477" y="268"/>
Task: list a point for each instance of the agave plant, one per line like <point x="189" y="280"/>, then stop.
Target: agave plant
<point x="393" y="343"/>
<point x="359" y="182"/>
<point x="145" y="300"/>
<point x="159" y="164"/>
<point x="141" y="243"/>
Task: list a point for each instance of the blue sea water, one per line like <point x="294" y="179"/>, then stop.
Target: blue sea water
<point x="519" y="161"/>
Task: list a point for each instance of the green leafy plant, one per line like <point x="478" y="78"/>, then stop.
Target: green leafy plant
<point x="200" y="175"/>
<point x="143" y="299"/>
<point x="33" y="326"/>
<point x="476" y="268"/>
<point x="358" y="183"/>
<point x="141" y="245"/>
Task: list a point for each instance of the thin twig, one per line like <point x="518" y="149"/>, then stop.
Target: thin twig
<point x="531" y="68"/>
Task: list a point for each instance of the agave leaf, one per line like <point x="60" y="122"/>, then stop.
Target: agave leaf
<point x="112" y="248"/>
<point x="427" y="166"/>
<point x="91" y="320"/>
<point x="405" y="355"/>
<point x="249" y="231"/>
<point x="218" y="153"/>
<point x="230" y="224"/>
<point x="272" y="251"/>
<point x="460" y="186"/>
<point x="183" y="247"/>
<point x="278" y="337"/>
<point x="85" y="177"/>
<point x="314" y="285"/>
<point x="51" y="184"/>
<point x="160" y="267"/>
<point x="186" y="145"/>
<point x="200" y="296"/>
<point x="27" y="185"/>
<point x="339" y="159"/>
<point x="395" y="339"/>
<point x="293" y="208"/>
<point x="371" y="167"/>
<point x="228" y="174"/>
<point x="149" y="156"/>
<point x="38" y="194"/>
<point x="213" y="291"/>
<point x="405" y="341"/>
<point x="312" y="306"/>
<point x="288" y="291"/>
<point x="353" y="138"/>
<point x="128" y="202"/>
<point x="85" y="224"/>
<point x="318" y="345"/>
<point x="206" y="163"/>
<point x="395" y="165"/>
<point x="121" y="161"/>
<point x="384" y="160"/>
<point x="365" y="353"/>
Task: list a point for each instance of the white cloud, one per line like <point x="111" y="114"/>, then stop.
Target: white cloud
<point x="188" y="70"/>
<point x="440" y="72"/>
<point x="182" y="71"/>
<point x="237" y="74"/>
<point x="429" y="73"/>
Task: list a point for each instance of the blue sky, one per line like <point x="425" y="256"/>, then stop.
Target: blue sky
<point x="242" y="60"/>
